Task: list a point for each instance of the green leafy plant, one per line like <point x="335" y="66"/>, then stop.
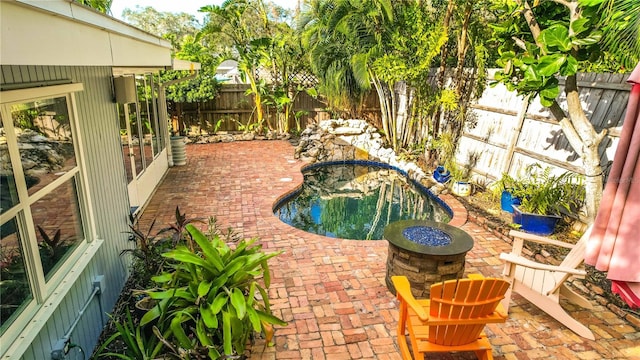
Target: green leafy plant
<point x="148" y="251"/>
<point x="211" y="300"/>
<point x="544" y="42"/>
<point x="137" y="345"/>
<point x="457" y="172"/>
<point x="543" y="193"/>
<point x="506" y="183"/>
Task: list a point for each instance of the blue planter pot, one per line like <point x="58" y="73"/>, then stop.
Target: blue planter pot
<point x="441" y="174"/>
<point x="534" y="223"/>
<point x="507" y="200"/>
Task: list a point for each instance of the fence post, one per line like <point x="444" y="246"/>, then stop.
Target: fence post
<point x="516" y="135"/>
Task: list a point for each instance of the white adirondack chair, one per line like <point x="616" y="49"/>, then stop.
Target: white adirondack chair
<point x="543" y="284"/>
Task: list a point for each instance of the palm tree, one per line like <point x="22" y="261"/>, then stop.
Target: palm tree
<point x="335" y="36"/>
<point x="242" y="26"/>
<point x="359" y="43"/>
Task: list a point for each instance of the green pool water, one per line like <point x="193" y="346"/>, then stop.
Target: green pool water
<point x="356" y="201"/>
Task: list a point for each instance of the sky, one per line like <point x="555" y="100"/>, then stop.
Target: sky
<point x="176" y="6"/>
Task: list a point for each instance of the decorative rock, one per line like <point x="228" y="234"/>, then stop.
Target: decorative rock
<point x="346" y="131"/>
<point x="227" y="138"/>
<point x="28" y="164"/>
<point x="353" y="139"/>
<point x="248" y="136"/>
<point x="313" y="152"/>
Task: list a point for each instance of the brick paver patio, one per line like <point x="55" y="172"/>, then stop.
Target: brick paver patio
<point x="332" y="292"/>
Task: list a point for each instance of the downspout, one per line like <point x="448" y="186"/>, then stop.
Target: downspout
<point x="164" y="116"/>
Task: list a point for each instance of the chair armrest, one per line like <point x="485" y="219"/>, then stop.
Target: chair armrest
<point x="540" y="239"/>
<point x="519" y="260"/>
<point x="403" y="290"/>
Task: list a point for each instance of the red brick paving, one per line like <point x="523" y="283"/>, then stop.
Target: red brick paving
<point x="332" y="292"/>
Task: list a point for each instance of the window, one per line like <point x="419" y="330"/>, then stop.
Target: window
<point x="141" y="137"/>
<point x="43" y="222"/>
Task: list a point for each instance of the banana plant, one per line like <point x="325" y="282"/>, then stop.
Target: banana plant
<point x="212" y="300"/>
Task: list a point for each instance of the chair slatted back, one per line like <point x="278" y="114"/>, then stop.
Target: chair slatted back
<point x="460" y="309"/>
<point x="546" y="282"/>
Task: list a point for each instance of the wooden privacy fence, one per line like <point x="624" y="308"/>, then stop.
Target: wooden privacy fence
<point x="506" y="133"/>
<point x="232" y="110"/>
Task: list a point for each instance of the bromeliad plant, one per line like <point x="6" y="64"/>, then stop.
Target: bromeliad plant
<point x="211" y="301"/>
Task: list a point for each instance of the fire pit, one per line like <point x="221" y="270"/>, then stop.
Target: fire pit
<point x="426" y="252"/>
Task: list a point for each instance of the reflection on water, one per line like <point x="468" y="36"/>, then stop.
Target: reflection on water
<point x="356" y="202"/>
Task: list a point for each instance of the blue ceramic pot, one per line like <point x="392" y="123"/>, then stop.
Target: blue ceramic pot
<point x="507" y="200"/>
<point x="441" y="174"/>
<point x="533" y="223"/>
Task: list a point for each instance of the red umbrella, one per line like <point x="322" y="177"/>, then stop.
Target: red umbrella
<point x="614" y="244"/>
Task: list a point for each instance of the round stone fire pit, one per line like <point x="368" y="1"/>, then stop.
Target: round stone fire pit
<point x="426" y="252"/>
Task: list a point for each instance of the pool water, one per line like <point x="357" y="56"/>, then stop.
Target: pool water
<point x="354" y="201"/>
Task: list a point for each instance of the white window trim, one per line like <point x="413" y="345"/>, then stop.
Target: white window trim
<point x="22" y="95"/>
<point x="47" y="295"/>
<point x="23" y="331"/>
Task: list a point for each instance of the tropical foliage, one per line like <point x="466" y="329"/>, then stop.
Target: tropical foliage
<point x="208" y="293"/>
<point x="353" y="44"/>
<point x="104" y="6"/>
<point x="210" y="299"/>
<point x="467" y="51"/>
<point x="544" y="193"/>
<point x="258" y="38"/>
<point x="545" y="41"/>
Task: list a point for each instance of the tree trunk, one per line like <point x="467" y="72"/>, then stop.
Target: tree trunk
<point x="401" y="89"/>
<point x="444" y="51"/>
<point x="576" y="127"/>
<point x="585" y="141"/>
<point x="384" y="107"/>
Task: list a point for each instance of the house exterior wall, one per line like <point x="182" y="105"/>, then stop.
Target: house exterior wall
<point x="71" y="34"/>
<point x="99" y="130"/>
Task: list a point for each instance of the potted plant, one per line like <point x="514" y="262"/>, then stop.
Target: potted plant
<point x="543" y="198"/>
<point x="504" y="188"/>
<point x="460" y="184"/>
<point x="441" y="174"/>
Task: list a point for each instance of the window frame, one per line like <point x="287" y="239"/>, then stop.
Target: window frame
<point x="46" y="293"/>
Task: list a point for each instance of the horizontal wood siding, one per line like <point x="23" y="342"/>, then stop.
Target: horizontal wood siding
<point x="98" y="121"/>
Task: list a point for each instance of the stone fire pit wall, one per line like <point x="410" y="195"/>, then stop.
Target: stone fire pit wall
<point x="423" y="270"/>
<point x="426" y="252"/>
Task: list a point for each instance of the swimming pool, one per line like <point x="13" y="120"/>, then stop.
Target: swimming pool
<point x="356" y="200"/>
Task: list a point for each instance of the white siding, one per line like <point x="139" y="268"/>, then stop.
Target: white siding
<point x="108" y="190"/>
